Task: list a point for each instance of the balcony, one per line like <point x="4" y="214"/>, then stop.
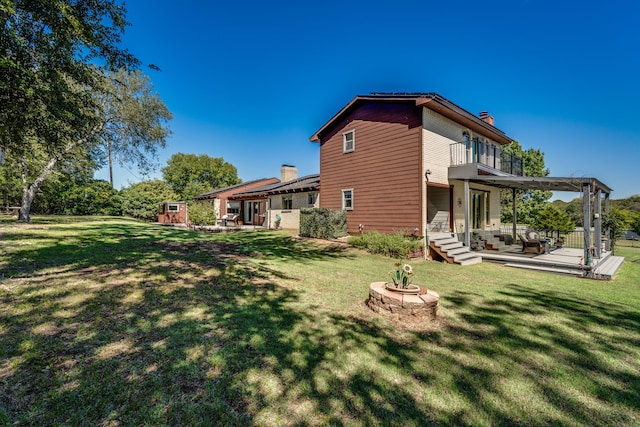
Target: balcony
<point x="483" y="159"/>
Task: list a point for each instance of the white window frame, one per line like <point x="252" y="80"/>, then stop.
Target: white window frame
<point x="311" y="198"/>
<point x="351" y="132"/>
<point x="173" y="207"/>
<point x="344" y="199"/>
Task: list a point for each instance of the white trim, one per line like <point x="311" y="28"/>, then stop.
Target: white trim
<point x="344" y="207"/>
<point x="353" y="141"/>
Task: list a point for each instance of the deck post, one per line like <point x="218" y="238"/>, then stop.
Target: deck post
<point x="607" y="234"/>
<point x="515" y="214"/>
<point x="467" y="233"/>
<point x="586" y="221"/>
<point x="597" y="232"/>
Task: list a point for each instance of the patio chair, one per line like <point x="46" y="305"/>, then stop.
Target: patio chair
<point x="230" y="218"/>
<point x="532" y="245"/>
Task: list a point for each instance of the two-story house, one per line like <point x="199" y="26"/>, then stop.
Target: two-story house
<point x="389" y="160"/>
<point x="420" y="164"/>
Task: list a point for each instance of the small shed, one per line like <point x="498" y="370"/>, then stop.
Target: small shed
<point x="173" y="213"/>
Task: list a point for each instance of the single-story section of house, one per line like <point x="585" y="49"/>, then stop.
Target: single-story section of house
<point x="278" y="205"/>
<point x="220" y="198"/>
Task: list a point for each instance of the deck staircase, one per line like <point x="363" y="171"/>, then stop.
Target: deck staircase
<point x="452" y="250"/>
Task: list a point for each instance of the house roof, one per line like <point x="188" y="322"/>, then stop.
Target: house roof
<point x="429" y="100"/>
<point x="214" y="193"/>
<point x="305" y="183"/>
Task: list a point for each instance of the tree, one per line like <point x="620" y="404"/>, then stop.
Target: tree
<point x="95" y="197"/>
<point x="48" y="48"/>
<point x="134" y="121"/>
<point x="130" y="117"/>
<point x="141" y="200"/>
<point x="614" y="223"/>
<point x="184" y="171"/>
<point x="202" y="213"/>
<point x="635" y="223"/>
<point x="550" y="218"/>
<point x="528" y="202"/>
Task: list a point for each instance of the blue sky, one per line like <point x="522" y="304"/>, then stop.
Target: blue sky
<point x="252" y="81"/>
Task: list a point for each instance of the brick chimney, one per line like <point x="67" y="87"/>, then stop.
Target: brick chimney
<point x="486" y="117"/>
<point x="288" y="173"/>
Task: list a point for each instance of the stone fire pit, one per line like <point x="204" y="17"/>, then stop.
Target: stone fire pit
<point x="407" y="307"/>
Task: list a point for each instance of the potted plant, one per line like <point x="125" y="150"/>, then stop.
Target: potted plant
<point x="401" y="280"/>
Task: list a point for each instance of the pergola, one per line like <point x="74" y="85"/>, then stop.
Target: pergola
<point x="585" y="185"/>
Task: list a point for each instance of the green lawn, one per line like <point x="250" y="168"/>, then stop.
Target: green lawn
<point x="115" y="322"/>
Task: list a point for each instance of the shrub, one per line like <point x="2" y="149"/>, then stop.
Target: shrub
<point x="141" y="200"/>
<point x="323" y="223"/>
<point x="201" y="213"/>
<point x="396" y="245"/>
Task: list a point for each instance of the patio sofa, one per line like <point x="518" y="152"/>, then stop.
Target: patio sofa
<point x="532" y="243"/>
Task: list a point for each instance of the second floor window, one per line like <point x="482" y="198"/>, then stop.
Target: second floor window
<point x="349" y="141"/>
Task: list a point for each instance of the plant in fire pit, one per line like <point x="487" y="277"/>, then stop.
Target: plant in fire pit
<point x="401" y="276"/>
<point x="401" y="280"/>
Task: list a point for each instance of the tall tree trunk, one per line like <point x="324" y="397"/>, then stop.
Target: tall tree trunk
<point x="29" y="190"/>
<point x="110" y="162"/>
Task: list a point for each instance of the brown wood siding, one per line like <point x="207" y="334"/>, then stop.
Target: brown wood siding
<point x="384" y="170"/>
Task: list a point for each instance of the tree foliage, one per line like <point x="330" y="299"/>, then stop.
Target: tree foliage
<point x="550" y="218"/>
<point x="49" y="48"/>
<point x="130" y="116"/>
<point x="95" y="197"/>
<point x="141" y="200"/>
<point x="202" y="172"/>
<point x="55" y="59"/>
<point x="528" y="202"/>
<point x="635" y="223"/>
<point x="134" y="120"/>
<point x="614" y="223"/>
<point x="202" y="213"/>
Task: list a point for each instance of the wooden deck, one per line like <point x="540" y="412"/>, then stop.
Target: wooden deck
<point x="567" y="261"/>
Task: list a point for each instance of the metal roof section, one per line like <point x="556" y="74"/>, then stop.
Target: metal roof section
<point x="429" y="100"/>
<point x="305" y="183"/>
<point x="212" y="194"/>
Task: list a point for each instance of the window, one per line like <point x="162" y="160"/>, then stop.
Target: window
<point x="349" y="141"/>
<point x="347" y="199"/>
<point x="287" y="202"/>
<point x="233" y="207"/>
<point x="311" y="198"/>
<point x="480" y="213"/>
<point x="172" y="207"/>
